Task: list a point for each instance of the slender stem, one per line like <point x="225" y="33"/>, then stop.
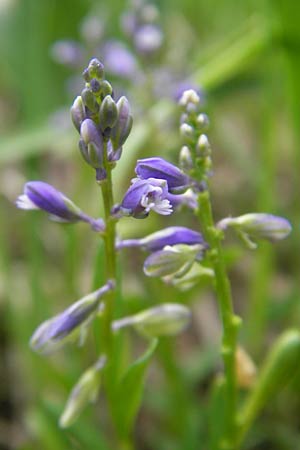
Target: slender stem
<point x="230" y="321"/>
<point x="110" y="253"/>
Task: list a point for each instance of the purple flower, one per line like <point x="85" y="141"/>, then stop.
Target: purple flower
<point x="159" y="168"/>
<point x="144" y="196"/>
<point x="69" y="53"/>
<point x="168" y="236"/>
<point x="40" y="195"/>
<point x="54" y="333"/>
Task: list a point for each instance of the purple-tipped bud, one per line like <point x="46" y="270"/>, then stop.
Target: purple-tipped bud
<point x="108" y="114"/>
<point x="163" y="170"/>
<point x="40" y="195"/>
<point x="54" y="333"/>
<point x="89" y="100"/>
<point x="177" y="259"/>
<point x="95" y="69"/>
<point x="258" y="226"/>
<point x="92" y="151"/>
<point x="168" y="236"/>
<point x="78" y="112"/>
<point x="105" y="88"/>
<point x="121" y="130"/>
<point x="144" y="196"/>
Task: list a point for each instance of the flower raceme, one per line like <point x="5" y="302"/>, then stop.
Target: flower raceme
<point x="40" y="195"/>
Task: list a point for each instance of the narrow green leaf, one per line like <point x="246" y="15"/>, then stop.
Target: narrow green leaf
<point x="130" y="390"/>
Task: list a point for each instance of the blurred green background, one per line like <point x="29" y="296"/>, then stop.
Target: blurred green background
<point x="245" y="58"/>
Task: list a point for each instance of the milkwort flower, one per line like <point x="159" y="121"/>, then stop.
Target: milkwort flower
<point x="54" y="333"/>
<point x="159" y="168"/>
<point x="40" y="195"/>
<point x="144" y="196"/>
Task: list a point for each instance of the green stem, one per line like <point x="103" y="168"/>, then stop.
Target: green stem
<point x="110" y="253"/>
<point x="230" y="321"/>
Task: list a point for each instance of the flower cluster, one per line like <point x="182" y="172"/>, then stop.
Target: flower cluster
<point x="104" y="125"/>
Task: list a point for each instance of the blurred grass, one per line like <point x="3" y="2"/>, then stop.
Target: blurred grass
<point x="247" y="60"/>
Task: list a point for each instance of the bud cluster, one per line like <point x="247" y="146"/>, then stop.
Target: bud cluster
<point x="103" y="124"/>
<point x="195" y="154"/>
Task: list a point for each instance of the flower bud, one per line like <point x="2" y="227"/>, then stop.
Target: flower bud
<point x="258" y="226"/>
<point x="164" y="320"/>
<point x="122" y="128"/>
<point x="92" y="151"/>
<point x="203" y="146"/>
<point x="177" y="259"/>
<point x="95" y="69"/>
<point x="159" y="168"/>
<point x="64" y="327"/>
<point x="89" y="100"/>
<point x="187" y="132"/>
<point x="197" y="274"/>
<point x="78" y="112"/>
<point x="105" y="88"/>
<point x="144" y="196"/>
<point x="185" y="159"/>
<point x="167" y="236"/>
<point x="108" y="114"/>
<point x="95" y="86"/>
<point x="189" y="96"/>
<point x="40" y="195"/>
<point x="84" y="392"/>
<point x="202" y="121"/>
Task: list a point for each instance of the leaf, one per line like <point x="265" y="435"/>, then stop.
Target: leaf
<point x="129" y="392"/>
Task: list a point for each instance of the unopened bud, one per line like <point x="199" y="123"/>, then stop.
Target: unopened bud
<point x="203" y="121"/>
<point x="78" y="112"/>
<point x="189" y="96"/>
<point x="122" y="128"/>
<point x="96" y="69"/>
<point x="89" y="100"/>
<point x="166" y="319"/>
<point x="203" y="145"/>
<point x="84" y="392"/>
<point x="258" y="226"/>
<point x="92" y="145"/>
<point x="187" y="132"/>
<point x="106" y="88"/>
<point x="176" y="259"/>
<point x="185" y="159"/>
<point x="108" y="114"/>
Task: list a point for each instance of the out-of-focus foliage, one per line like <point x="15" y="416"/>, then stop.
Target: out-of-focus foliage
<point x="244" y="56"/>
